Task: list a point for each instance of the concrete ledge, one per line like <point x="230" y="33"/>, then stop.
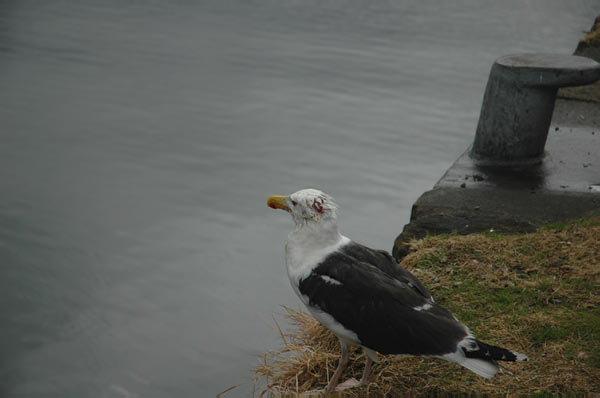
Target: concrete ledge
<point x="474" y="198"/>
<point x="464" y="211"/>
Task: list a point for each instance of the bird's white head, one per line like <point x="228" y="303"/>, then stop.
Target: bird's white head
<point x="306" y="206"/>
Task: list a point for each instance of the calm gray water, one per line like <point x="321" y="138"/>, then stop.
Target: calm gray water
<point x="139" y="141"/>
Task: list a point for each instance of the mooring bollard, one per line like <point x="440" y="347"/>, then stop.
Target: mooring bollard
<point x="518" y="104"/>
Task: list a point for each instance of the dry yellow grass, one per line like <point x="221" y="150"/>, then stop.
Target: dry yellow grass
<point x="536" y="293"/>
<point x="592" y="37"/>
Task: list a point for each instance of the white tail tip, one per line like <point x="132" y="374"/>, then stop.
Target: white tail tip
<point x="483" y="368"/>
<point x="520" y="357"/>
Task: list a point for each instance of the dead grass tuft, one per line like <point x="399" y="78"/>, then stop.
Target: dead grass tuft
<point x="592" y="38"/>
<point x="535" y="293"/>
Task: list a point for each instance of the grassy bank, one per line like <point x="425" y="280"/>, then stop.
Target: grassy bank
<point x="537" y="293"/>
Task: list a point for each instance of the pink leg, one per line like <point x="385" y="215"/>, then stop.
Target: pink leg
<point x="364" y="380"/>
<point x="338" y="372"/>
<point x="352" y="382"/>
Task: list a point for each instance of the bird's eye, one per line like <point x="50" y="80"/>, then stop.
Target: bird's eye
<point x="294" y="202"/>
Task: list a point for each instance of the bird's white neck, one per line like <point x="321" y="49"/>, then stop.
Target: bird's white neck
<point x="308" y="244"/>
<point x="314" y="235"/>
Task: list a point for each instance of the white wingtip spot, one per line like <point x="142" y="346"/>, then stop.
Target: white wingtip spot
<point x="330" y="280"/>
<point x="423" y="307"/>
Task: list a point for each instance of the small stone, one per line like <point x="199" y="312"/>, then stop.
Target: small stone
<point x="463" y="185"/>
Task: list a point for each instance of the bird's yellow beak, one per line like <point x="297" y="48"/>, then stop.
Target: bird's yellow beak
<point x="277" y="202"/>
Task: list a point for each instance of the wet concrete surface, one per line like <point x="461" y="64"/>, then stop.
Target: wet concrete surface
<point x="571" y="164"/>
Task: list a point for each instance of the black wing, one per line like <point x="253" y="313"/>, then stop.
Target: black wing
<point x="380" y="309"/>
<point x="386" y="263"/>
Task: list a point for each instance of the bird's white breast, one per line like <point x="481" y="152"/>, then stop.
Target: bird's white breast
<point x="302" y="259"/>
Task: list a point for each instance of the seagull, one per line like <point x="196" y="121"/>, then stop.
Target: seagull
<point x="367" y="299"/>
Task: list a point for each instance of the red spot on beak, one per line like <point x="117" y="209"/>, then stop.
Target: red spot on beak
<point x="277" y="202"/>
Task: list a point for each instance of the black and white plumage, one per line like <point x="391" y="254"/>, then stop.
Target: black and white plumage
<point x="367" y="299"/>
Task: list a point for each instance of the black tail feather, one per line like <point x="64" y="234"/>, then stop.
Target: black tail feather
<point x="490" y="352"/>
